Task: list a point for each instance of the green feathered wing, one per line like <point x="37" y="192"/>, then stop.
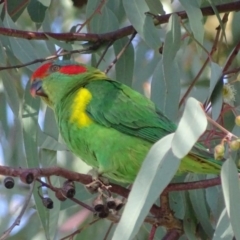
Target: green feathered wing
<point x="118" y="108"/>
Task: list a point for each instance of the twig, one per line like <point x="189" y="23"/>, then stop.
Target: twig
<point x="108" y="231"/>
<point x="221" y="128"/>
<point x="121" y="52"/>
<point x="231" y="57"/>
<point x="114" y="35"/>
<point x="214" y="48"/>
<point x="103" y="54"/>
<point x="80" y="230"/>
<point x="48" y="58"/>
<point x="97" y="10"/>
<point x="193" y="185"/>
<point x="18" y="219"/>
<point x="152" y="232"/>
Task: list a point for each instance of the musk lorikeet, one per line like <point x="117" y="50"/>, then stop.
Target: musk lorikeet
<point x="107" y="124"/>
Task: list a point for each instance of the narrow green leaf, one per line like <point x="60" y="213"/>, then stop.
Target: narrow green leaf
<point x="189" y="221"/>
<point x="213" y="5"/>
<point x="125" y="65"/>
<point x="216" y="73"/>
<point x="155" y="7"/>
<point x="195" y="18"/>
<point x="49" y="159"/>
<point x="200" y="208"/>
<point x="231" y="193"/>
<point x="104" y="22"/>
<point x="156" y="172"/>
<point x="215" y="91"/>
<point x="135" y="11"/>
<point x="193" y="116"/>
<point x="30" y="130"/>
<point x="36" y="11"/>
<point x="46" y="26"/>
<point x="10" y="92"/>
<point x="22" y="48"/>
<point x="15" y="8"/>
<point x="167" y="73"/>
<point x="223" y="229"/>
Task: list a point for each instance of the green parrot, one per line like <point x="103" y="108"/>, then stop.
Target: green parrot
<point x="107" y="124"/>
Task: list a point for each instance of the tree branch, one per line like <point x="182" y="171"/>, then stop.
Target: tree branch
<point x="110" y="36"/>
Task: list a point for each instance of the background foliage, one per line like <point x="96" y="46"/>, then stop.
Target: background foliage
<point x="166" y="59"/>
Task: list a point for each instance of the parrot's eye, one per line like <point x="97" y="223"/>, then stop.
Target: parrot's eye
<point x="54" y="68"/>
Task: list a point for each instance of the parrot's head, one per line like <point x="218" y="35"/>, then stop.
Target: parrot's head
<point x="55" y="80"/>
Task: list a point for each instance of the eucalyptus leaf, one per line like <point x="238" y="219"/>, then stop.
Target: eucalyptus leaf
<point x="167" y="72"/>
<point x="36" y="11"/>
<point x="162" y="165"/>
<point x="135" y="11"/>
<point x="223" y="229"/>
<point x="231" y="193"/>
<point x="125" y="65"/>
<point x="22" y="48"/>
<point x="187" y="134"/>
<point x="195" y="19"/>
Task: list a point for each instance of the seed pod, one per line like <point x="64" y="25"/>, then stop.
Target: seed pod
<point x="69" y="189"/>
<point x="27" y="177"/>
<point x="92" y="188"/>
<point x="47" y="202"/>
<point x="219" y="152"/>
<point x="234" y="145"/>
<point x="60" y="195"/>
<point x="237" y="120"/>
<point x="111" y="203"/>
<point x="98" y="204"/>
<point x="8" y="182"/>
<point x="119" y="204"/>
<point x="104" y="213"/>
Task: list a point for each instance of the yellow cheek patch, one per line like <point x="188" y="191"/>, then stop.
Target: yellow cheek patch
<point x="80" y="102"/>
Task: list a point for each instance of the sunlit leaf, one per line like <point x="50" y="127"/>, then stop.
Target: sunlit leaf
<point x="231" y="193"/>
<point x="141" y="22"/>
<point x="187" y="134"/>
<point x="162" y="165"/>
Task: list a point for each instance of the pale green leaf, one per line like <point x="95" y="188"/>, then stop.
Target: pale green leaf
<point x="11" y="92"/>
<point x="189" y="221"/>
<point x="187" y="134"/>
<point x="200" y="208"/>
<point x="166" y="77"/>
<point x="125" y="65"/>
<point x="22" y="48"/>
<point x="195" y="19"/>
<point x="135" y="11"/>
<point x="49" y="159"/>
<point x="223" y="229"/>
<point x="36" y="11"/>
<point x="231" y="193"/>
<point x="155" y="6"/>
<point x="15" y="8"/>
<point x="104" y="22"/>
<point x="156" y="172"/>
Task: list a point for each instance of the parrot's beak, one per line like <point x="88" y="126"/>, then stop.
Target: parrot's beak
<point x="36" y="88"/>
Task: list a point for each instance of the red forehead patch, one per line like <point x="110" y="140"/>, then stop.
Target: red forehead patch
<point x="41" y="71"/>
<point x="72" y="69"/>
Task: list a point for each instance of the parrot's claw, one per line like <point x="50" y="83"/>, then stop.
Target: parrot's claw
<point x="98" y="184"/>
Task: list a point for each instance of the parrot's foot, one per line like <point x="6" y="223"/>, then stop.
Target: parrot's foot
<point x="98" y="184"/>
<point x="104" y="203"/>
